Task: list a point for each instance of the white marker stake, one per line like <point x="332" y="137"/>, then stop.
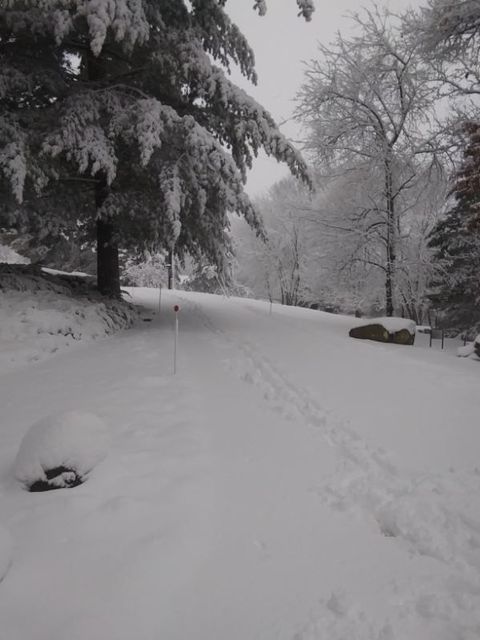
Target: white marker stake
<point x="176" y="308"/>
<point x="159" y="298"/>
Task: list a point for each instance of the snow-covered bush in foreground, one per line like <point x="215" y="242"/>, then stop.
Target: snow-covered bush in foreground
<point x="43" y="313"/>
<point x="59" y="451"/>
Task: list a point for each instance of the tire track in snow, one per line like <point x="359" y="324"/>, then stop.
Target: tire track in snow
<point x="428" y="515"/>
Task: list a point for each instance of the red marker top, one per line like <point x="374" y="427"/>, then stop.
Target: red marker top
<point x="176" y="308"/>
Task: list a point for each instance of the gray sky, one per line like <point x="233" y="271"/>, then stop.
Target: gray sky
<point x="281" y="42"/>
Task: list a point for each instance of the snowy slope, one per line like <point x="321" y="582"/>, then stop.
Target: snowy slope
<point x="43" y="312"/>
<point x="288" y="483"/>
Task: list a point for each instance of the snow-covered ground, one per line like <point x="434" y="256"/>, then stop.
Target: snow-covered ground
<point x="288" y="483"/>
<point x="41" y="316"/>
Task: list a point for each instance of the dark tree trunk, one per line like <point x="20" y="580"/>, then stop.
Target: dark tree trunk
<point x="170" y="269"/>
<point x="108" y="272"/>
<point x="390" y="265"/>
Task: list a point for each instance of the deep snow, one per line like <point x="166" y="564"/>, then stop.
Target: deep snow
<point x="45" y="311"/>
<point x="288" y="483"/>
<point x="75" y="440"/>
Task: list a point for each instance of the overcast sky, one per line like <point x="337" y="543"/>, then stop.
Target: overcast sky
<point x="281" y="42"/>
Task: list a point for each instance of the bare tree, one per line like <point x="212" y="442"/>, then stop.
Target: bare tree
<point x="276" y="266"/>
<point x="367" y="105"/>
<point x="326" y="248"/>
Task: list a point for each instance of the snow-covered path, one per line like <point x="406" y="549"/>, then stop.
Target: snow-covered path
<point x="287" y="483"/>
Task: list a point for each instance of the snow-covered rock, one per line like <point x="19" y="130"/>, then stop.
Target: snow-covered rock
<point x="59" y="451"/>
<point x="392" y="325"/>
<point x="374" y="331"/>
<point x="397" y="330"/>
<point x="5" y="552"/>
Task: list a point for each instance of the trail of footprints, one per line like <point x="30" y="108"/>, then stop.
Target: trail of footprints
<point x="428" y="515"/>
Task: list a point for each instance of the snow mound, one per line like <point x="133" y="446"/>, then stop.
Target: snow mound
<point x="396" y="324"/>
<point x="465" y="351"/>
<point x="470" y="349"/>
<point x="10" y="256"/>
<point x="59" y="451"/>
<point x="43" y="313"/>
<point x="5" y="552"/>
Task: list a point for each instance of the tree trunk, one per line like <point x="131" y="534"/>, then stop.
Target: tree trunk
<point x="108" y="272"/>
<point x="390" y="245"/>
<point x="170" y="269"/>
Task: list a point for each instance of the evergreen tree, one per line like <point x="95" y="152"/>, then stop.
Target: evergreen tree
<point x="456" y="240"/>
<point x="118" y="116"/>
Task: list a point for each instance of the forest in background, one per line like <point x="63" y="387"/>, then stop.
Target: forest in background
<point x="390" y="116"/>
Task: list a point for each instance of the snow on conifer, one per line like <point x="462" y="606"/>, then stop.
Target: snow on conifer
<point x="127" y="112"/>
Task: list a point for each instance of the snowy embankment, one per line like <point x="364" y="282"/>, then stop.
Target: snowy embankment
<point x="289" y="483"/>
<point x="43" y="312"/>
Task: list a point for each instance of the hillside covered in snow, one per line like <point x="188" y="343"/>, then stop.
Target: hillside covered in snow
<point x="43" y="312"/>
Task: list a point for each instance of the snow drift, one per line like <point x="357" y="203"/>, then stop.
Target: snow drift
<point x="43" y="313"/>
<point x="59" y="451"/>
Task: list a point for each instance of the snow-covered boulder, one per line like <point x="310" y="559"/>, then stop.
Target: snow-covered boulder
<point x="59" y="451"/>
<point x="397" y="330"/>
<point x="403" y="336"/>
<point x="5" y="552"/>
<point x="373" y="331"/>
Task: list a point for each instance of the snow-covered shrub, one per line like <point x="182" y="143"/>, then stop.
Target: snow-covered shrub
<point x="476" y="346"/>
<point x="204" y="279"/>
<point x="149" y="272"/>
<point x="59" y="451"/>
